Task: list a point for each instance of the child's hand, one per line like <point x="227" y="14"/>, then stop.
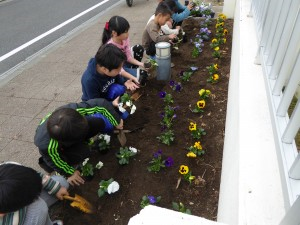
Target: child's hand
<point x="116" y="102"/>
<point x="120" y="125"/>
<point x="61" y="193"/>
<point x="172" y="36"/>
<point x="132" y="85"/>
<point x="191" y="5"/>
<point x="75" y="179"/>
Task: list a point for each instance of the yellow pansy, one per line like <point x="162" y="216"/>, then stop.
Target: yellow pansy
<point x="216" y="48"/>
<point x="207" y="92"/>
<point x="183" y="169"/>
<point x="224" y="40"/>
<point x="216" y="76"/>
<point x="193" y="126"/>
<point x="191" y="155"/>
<point x="225" y="31"/>
<point x="214" y="40"/>
<point x="217" y="25"/>
<point x="222" y="15"/>
<point x="216" y="66"/>
<point x="198" y="145"/>
<point x="201" y="92"/>
<point x="201" y="104"/>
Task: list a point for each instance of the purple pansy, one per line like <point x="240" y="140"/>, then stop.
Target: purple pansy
<point x="169" y="162"/>
<point x="178" y="87"/>
<point x="172" y="83"/>
<point x="162" y="94"/>
<point x="152" y="199"/>
<point x="157" y="154"/>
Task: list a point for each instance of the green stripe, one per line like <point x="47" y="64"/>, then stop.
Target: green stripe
<point x="97" y="109"/>
<point x="53" y="153"/>
<point x="46" y="117"/>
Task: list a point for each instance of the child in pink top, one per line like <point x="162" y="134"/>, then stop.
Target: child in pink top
<point x="116" y="32"/>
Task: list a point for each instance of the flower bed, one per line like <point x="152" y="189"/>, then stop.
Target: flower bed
<point x="188" y="184"/>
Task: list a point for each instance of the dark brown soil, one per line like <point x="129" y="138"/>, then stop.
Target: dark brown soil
<point x="134" y="179"/>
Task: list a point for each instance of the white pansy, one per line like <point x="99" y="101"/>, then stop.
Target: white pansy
<point x="120" y="106"/>
<point x="132" y="149"/>
<point x="85" y="161"/>
<point x="128" y="103"/>
<point x="113" y="187"/>
<point x="133" y="108"/>
<point x="107" y="138"/>
<point x="99" y="165"/>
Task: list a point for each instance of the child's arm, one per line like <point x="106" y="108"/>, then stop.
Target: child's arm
<point x="155" y="36"/>
<point x="167" y="30"/>
<point x="135" y="62"/>
<point x="132" y="81"/>
<point x="53" y="187"/>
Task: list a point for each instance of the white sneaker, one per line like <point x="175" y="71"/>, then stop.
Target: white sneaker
<point x="58" y="222"/>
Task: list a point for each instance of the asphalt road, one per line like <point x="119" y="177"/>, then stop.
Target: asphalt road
<point x="23" y="21"/>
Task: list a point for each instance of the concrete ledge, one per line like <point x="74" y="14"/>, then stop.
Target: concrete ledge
<point x="153" y="215"/>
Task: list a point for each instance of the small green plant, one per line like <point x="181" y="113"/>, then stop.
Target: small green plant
<point x="108" y="186"/>
<point x="187" y="173"/>
<point x="204" y="94"/>
<point x="167" y="137"/>
<point x="212" y="69"/>
<point x="216" y="53"/>
<point x="195" y="150"/>
<point x="87" y="168"/>
<point x="149" y="200"/>
<point x="181" y="208"/>
<point x="199" y="106"/>
<point x="125" y="154"/>
<point x="168" y="99"/>
<point x="158" y="162"/>
<point x="104" y="142"/>
<point x="168" y="116"/>
<point x="214" y="78"/>
<point x="196" y="133"/>
<point x="126" y="102"/>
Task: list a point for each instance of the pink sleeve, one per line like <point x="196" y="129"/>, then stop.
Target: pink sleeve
<point x="126" y="45"/>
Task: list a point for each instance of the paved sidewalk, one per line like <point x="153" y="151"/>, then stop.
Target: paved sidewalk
<point x="53" y="79"/>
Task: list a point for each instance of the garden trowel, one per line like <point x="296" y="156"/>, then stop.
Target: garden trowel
<point x="122" y="137"/>
<point x="80" y="203"/>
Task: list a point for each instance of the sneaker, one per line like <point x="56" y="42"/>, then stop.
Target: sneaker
<point x="58" y="222"/>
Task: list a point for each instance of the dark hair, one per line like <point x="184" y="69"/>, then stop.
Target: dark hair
<point x="110" y="57"/>
<point x="172" y="5"/>
<point x="19" y="187"/>
<point x="66" y="124"/>
<point x="118" y="24"/>
<point x="164" y="9"/>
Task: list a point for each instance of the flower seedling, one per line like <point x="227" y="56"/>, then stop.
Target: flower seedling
<point x="197" y="49"/>
<point x="176" y="86"/>
<point x="187" y="173"/>
<point x="168" y="116"/>
<point x="199" y="106"/>
<point x="212" y="69"/>
<point x="104" y="142"/>
<point x="197" y="133"/>
<point x="149" y="200"/>
<point x="108" y="186"/>
<point x="214" y="78"/>
<point x="168" y="99"/>
<point x="216" y="53"/>
<point x="167" y="137"/>
<point x="195" y="150"/>
<point x="125" y="101"/>
<point x="181" y="208"/>
<point x="158" y="162"/>
<point x="125" y="154"/>
<point x="87" y="168"/>
<point x="204" y="94"/>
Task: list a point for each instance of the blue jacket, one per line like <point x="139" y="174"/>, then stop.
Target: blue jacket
<point x="184" y="12"/>
<point x="94" y="84"/>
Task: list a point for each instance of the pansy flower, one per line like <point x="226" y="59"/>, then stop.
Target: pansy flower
<point x="169" y="162"/>
<point x="191" y="155"/>
<point x="172" y="83"/>
<point x="183" y="169"/>
<point x="217" y="48"/>
<point x="216" y="66"/>
<point x="214" y="40"/>
<point x="225" y="31"/>
<point x="152" y="199"/>
<point x="201" y="104"/>
<point x="198" y="145"/>
<point x="157" y="154"/>
<point x="216" y="77"/>
<point x="162" y="94"/>
<point x="193" y="126"/>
